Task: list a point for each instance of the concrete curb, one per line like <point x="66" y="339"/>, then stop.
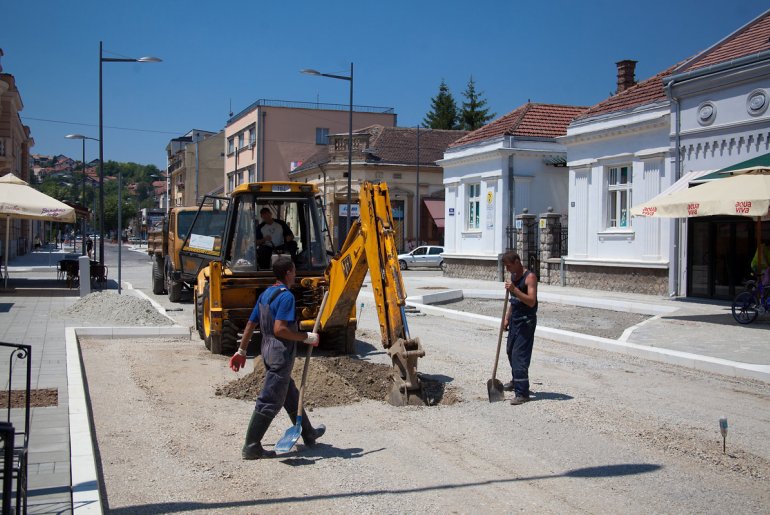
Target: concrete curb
<point x="672" y="357"/>
<point x="86" y="497"/>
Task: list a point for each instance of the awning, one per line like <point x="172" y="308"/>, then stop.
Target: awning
<point x="685" y="181"/>
<point x="436" y="210"/>
<point x="750" y="165"/>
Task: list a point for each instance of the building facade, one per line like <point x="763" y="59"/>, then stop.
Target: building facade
<point x="195" y="164"/>
<point x="265" y="141"/>
<point x="512" y="165"/>
<point x="390" y="155"/>
<point x="700" y="115"/>
<point x="15" y="144"/>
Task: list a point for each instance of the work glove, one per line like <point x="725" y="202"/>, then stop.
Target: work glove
<point x="312" y="339"/>
<point x="238" y="361"/>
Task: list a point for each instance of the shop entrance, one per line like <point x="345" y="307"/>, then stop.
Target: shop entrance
<point x="719" y="250"/>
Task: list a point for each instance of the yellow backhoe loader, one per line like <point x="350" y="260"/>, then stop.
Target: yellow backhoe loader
<point x="234" y="269"/>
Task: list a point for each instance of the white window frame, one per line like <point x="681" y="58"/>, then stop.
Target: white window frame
<point x="618" y="217"/>
<point x="252" y="173"/>
<point x="240" y="140"/>
<point x="230" y="145"/>
<point x="230" y="181"/>
<point x="473" y="203"/>
<point x="252" y="136"/>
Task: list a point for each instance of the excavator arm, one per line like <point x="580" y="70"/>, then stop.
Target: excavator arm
<point x="370" y="246"/>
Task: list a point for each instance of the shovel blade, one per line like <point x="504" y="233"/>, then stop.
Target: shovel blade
<point x="289" y="438"/>
<point x="495" y="390"/>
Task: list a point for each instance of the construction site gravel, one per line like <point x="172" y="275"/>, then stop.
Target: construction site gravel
<point x="111" y="309"/>
<point x="604" y="433"/>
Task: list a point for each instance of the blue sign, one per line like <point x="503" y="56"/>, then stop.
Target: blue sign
<point x="451" y="211"/>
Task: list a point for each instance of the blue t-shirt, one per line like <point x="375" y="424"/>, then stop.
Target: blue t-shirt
<point x="282" y="307"/>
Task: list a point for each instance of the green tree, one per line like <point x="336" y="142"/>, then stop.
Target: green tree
<point x="474" y="115"/>
<point x="443" y="113"/>
<point x="111" y="212"/>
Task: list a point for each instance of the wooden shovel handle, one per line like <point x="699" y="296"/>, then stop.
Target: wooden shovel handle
<point x="316" y="327"/>
<point x="500" y="335"/>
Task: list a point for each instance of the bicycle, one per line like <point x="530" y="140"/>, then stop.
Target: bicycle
<point x="748" y="305"/>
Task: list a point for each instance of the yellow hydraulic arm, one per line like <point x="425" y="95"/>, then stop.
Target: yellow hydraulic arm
<point x="370" y="245"/>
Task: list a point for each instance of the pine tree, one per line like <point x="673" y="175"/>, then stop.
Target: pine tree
<point x="443" y="113"/>
<point x="474" y="115"/>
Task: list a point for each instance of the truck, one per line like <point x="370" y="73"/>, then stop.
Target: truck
<point x="227" y="285"/>
<point x="164" y="241"/>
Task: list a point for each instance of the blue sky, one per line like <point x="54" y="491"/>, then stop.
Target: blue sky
<point x="561" y="51"/>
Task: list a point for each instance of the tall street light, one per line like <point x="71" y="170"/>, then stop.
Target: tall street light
<point x="102" y="60"/>
<point x="83" y="201"/>
<point x="307" y="71"/>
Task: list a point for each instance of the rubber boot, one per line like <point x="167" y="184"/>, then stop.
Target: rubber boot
<point x="309" y="433"/>
<point x="252" y="449"/>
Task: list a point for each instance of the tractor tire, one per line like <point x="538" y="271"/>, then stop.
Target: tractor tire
<point x="175" y="291"/>
<point x="158" y="279"/>
<point x="342" y="340"/>
<point x="205" y="314"/>
<point x="199" y="299"/>
<point x="173" y="287"/>
<point x="230" y="341"/>
<point x="215" y="343"/>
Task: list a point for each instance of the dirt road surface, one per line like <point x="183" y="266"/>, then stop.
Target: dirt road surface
<point x="605" y="433"/>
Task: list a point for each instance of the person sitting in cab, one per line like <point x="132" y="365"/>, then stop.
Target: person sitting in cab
<point x="273" y="235"/>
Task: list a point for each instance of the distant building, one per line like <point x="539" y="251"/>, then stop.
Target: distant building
<point x="390" y="155"/>
<point x="270" y="137"/>
<point x="195" y="164"/>
<point x="15" y="144"/>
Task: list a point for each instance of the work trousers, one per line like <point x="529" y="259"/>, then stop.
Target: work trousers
<point x="279" y="389"/>
<point x="521" y="338"/>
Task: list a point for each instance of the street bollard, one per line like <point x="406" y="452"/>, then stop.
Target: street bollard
<point x="85" y="275"/>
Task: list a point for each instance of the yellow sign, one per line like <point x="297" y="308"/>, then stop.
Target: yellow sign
<point x="490" y="197"/>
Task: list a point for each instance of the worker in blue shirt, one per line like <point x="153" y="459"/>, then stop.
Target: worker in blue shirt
<point x="274" y="313"/>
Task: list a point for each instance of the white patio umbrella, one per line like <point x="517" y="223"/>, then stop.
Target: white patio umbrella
<point x="19" y="200"/>
<point x="743" y="192"/>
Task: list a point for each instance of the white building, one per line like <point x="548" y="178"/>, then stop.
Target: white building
<point x="512" y="165"/>
<point x="623" y="151"/>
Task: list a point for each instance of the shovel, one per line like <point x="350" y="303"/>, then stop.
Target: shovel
<point x="290" y="437"/>
<point x="494" y="386"/>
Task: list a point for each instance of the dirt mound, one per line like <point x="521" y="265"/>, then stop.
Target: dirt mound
<point x="335" y="381"/>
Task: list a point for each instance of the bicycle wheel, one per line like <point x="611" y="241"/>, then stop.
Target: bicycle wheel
<point x="745" y="308"/>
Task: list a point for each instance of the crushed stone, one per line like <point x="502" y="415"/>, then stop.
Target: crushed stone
<point x="109" y="308"/>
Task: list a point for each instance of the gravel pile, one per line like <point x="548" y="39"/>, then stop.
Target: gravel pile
<point x="110" y="309"/>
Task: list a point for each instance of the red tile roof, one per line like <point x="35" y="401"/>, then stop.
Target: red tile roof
<point x="752" y="38"/>
<point x="395" y="145"/>
<point x="645" y="92"/>
<point x="530" y="119"/>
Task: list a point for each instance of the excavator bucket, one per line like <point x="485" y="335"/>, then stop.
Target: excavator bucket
<point x="407" y="388"/>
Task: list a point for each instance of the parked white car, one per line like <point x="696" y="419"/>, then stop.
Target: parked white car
<point x="425" y="256"/>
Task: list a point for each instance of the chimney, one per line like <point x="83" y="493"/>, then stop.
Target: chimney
<point x="626" y="76"/>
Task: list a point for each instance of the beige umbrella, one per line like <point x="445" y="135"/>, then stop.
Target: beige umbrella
<point x="19" y="200"/>
<point x="743" y="192"/>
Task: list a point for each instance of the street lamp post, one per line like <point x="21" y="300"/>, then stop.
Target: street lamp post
<point x="102" y="60"/>
<point x="349" y="78"/>
<point x="83" y="222"/>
